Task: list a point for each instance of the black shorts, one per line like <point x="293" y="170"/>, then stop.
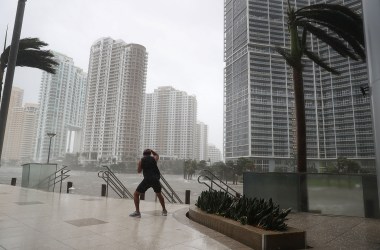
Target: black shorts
<point x="148" y="183"/>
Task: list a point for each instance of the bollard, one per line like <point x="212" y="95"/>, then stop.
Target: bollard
<point x="13" y="181"/>
<point x="104" y="190"/>
<point x="69" y="185"/>
<point x="187" y="197"/>
<point x="142" y="196"/>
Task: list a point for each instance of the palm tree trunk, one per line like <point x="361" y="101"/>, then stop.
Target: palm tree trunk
<point x="299" y="101"/>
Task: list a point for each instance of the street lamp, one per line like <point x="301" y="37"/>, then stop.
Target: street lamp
<point x="51" y="135"/>
<point x="10" y="70"/>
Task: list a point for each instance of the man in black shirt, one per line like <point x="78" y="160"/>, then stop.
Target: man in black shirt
<point x="148" y="165"/>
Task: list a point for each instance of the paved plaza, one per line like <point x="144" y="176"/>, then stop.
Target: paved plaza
<point x="33" y="219"/>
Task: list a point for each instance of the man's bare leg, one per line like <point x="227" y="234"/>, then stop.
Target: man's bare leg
<point x="162" y="202"/>
<point x="136" y="199"/>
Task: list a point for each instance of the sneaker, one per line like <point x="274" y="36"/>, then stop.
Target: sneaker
<point x="135" y="214"/>
<point x="164" y="213"/>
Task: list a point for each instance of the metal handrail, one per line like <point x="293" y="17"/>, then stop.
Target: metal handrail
<point x="52" y="181"/>
<point x="173" y="193"/>
<point x="226" y="187"/>
<point x="112" y="181"/>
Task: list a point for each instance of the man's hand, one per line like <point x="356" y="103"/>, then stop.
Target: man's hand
<point x="155" y="155"/>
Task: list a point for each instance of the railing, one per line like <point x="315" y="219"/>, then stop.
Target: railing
<point x="112" y="181"/>
<point x="168" y="192"/>
<point x="53" y="179"/>
<point x="205" y="174"/>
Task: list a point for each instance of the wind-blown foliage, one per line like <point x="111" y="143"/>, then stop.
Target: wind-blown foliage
<point x="335" y="25"/>
<point x="261" y="213"/>
<point x="31" y="55"/>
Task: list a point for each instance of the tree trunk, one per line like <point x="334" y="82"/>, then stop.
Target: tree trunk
<point x="299" y="103"/>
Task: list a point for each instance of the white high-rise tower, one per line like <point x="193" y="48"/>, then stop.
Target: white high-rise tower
<point x="115" y="96"/>
<point x="170" y="118"/>
<point x="61" y="102"/>
<point x="202" y="142"/>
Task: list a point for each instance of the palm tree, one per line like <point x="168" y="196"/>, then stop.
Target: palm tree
<point x="29" y="55"/>
<point x="338" y="27"/>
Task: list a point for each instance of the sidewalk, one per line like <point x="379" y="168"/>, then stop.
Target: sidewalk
<point x="32" y="219"/>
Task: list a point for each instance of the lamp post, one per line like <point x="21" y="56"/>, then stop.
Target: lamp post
<point x="11" y="70"/>
<point x="51" y="135"/>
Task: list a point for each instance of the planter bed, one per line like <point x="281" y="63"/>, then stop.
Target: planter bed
<point x="253" y="237"/>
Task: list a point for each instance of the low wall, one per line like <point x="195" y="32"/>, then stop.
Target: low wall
<point x="253" y="237"/>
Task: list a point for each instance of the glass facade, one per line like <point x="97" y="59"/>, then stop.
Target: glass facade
<point x="259" y="120"/>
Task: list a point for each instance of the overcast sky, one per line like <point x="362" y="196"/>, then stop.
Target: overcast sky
<point x="184" y="39"/>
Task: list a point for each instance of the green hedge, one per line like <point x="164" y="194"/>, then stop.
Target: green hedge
<point x="260" y="213"/>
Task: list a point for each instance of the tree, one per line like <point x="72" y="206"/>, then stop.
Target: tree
<point x="337" y="26"/>
<point x="189" y="169"/>
<point x="29" y="55"/>
<point x="221" y="170"/>
<point x="347" y="166"/>
<point x="202" y="164"/>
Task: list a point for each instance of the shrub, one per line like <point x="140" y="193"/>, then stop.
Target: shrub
<point x="260" y="213"/>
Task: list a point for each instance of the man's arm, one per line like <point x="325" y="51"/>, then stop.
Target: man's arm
<point x="139" y="167"/>
<point x="155" y="155"/>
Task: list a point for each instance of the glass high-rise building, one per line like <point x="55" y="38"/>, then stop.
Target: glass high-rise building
<point x="61" y="108"/>
<point x="115" y="97"/>
<point x="259" y="116"/>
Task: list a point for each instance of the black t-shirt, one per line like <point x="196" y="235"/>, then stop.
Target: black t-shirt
<point x="149" y="167"/>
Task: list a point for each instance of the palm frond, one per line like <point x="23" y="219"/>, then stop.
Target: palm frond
<point x="347" y="37"/>
<point x="335" y="43"/>
<point x="287" y="56"/>
<point x="317" y="60"/>
<point x="31" y="55"/>
<point x="303" y="40"/>
<point x="333" y="7"/>
<point x="41" y="59"/>
<point x="334" y="19"/>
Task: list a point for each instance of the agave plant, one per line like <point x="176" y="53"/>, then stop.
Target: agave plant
<point x="256" y="212"/>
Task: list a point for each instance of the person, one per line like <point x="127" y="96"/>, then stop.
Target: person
<point x="151" y="173"/>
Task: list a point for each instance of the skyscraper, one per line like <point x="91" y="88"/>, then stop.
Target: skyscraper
<point x="170" y="118"/>
<point x="115" y="96"/>
<point x="259" y="107"/>
<point x="21" y="129"/>
<point x="202" y="142"/>
<point x="61" y="102"/>
<point x="12" y="135"/>
<point x="214" y="154"/>
<point x="29" y="132"/>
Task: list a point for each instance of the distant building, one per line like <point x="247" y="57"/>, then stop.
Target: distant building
<point x="115" y="97"/>
<point x="12" y="137"/>
<point x="259" y="117"/>
<point x="61" y="102"/>
<point x="202" y="142"/>
<point x="29" y="132"/>
<point x="214" y="154"/>
<point x="20" y="136"/>
<point x="169" y="124"/>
